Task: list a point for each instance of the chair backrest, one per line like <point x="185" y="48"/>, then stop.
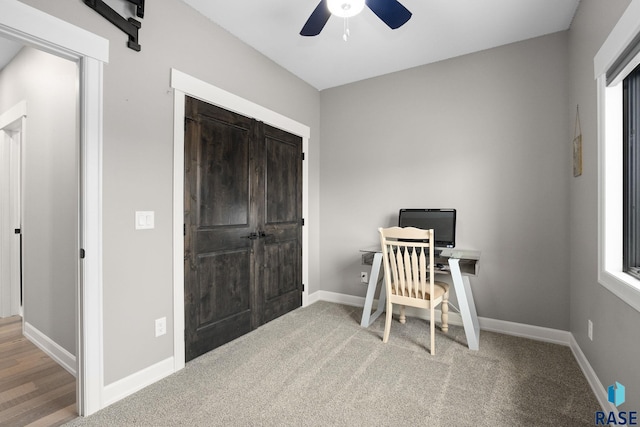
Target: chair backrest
<point x="407" y="255"/>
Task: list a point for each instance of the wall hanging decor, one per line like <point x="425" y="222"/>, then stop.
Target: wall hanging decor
<point x="577" y="146"/>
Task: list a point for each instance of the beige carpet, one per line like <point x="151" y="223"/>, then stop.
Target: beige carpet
<point x="317" y="367"/>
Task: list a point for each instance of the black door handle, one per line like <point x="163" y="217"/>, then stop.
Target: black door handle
<point x="260" y="234"/>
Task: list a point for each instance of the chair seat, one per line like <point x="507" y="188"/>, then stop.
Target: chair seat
<point x="440" y="288"/>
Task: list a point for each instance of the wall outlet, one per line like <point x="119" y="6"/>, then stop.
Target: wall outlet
<point x="364" y="277"/>
<point x="590" y="329"/>
<point x="161" y="326"/>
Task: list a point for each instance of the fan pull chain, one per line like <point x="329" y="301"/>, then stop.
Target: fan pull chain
<point x="346" y="33"/>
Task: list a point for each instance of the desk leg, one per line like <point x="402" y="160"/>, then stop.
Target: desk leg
<point x="367" y="317"/>
<point x="467" y="305"/>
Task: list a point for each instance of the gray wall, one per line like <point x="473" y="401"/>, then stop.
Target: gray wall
<point x="484" y="133"/>
<point x="615" y="348"/>
<point x="138" y="158"/>
<point x="50" y="200"/>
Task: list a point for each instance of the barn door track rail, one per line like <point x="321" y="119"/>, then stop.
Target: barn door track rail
<point x="130" y="26"/>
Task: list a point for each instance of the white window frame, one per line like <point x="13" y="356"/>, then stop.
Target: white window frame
<point x="610" y="158"/>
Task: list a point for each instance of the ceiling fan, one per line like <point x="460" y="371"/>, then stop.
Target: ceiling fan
<point x="391" y="12"/>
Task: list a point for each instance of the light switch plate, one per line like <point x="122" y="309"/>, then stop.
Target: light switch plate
<point x="145" y="220"/>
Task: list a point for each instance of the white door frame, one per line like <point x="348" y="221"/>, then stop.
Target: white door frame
<point x="35" y="28"/>
<point x="183" y="85"/>
<point x="12" y="131"/>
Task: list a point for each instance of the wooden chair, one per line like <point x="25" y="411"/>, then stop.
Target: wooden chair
<point x="407" y="255"/>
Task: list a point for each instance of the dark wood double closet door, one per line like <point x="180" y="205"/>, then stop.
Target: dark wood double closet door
<point x="243" y="225"/>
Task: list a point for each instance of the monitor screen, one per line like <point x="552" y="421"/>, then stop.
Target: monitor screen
<point x="443" y="222"/>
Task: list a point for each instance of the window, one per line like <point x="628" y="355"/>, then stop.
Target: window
<point x="616" y="72"/>
<point x="631" y="172"/>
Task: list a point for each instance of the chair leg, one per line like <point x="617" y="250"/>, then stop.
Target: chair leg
<point x="432" y="325"/>
<point x="387" y="323"/>
<point x="403" y="318"/>
<point x="445" y="313"/>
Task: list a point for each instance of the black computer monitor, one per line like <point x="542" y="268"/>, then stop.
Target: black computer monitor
<point x="442" y="221"/>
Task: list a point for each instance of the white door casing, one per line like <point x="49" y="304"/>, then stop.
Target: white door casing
<point x="186" y="85"/>
<point x="40" y="30"/>
<point x="12" y="131"/>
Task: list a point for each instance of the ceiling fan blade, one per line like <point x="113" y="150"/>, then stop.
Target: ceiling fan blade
<point x="391" y="12"/>
<point x="317" y="20"/>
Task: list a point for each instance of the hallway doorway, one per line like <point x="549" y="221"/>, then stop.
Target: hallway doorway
<point x="30" y="26"/>
<point x="11" y="132"/>
<point x="40" y="233"/>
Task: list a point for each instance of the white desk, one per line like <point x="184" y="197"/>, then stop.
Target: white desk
<point x="462" y="264"/>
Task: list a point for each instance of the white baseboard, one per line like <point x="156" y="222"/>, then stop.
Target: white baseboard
<point x="598" y="389"/>
<point x="538" y="333"/>
<point x="136" y="382"/>
<point x="336" y="298"/>
<point x="52" y="349"/>
<point x="501" y="326"/>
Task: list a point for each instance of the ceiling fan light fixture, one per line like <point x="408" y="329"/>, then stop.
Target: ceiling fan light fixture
<point x="345" y="8"/>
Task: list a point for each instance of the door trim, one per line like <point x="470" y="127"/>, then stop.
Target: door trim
<point x="183" y="85"/>
<point x="45" y="32"/>
<point x="12" y="128"/>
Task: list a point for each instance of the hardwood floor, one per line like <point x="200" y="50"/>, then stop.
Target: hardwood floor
<point x="34" y="390"/>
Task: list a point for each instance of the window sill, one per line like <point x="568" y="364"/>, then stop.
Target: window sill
<point x="623" y="285"/>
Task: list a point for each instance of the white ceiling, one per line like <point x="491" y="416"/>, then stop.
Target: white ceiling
<point x="438" y="29"/>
